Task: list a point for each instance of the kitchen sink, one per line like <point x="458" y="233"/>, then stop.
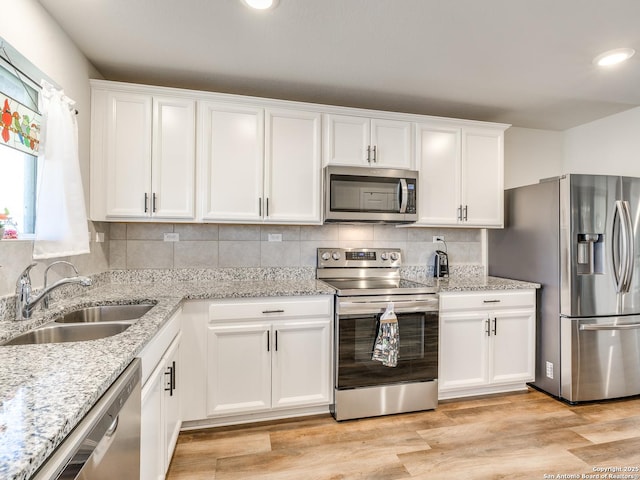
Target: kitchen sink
<point x="56" y="333"/>
<point x="106" y="313"/>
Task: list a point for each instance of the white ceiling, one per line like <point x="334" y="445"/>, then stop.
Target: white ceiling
<point x="524" y="62"/>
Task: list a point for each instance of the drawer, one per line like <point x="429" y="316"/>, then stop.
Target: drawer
<point x="487" y="300"/>
<point x="281" y="307"/>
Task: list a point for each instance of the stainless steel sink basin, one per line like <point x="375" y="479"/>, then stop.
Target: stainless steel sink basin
<point x="55" y="333"/>
<point x="106" y="313"/>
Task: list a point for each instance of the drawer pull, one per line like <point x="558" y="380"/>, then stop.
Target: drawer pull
<point x="491" y="301"/>
<point x="273" y="311"/>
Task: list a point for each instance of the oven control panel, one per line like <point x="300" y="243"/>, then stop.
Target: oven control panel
<point x="359" y="257"/>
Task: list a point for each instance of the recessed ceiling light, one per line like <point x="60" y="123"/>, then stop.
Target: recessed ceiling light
<point x="261" y="4"/>
<point x="613" y="57"/>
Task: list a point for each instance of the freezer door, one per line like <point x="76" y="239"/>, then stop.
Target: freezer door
<point x="598" y="222"/>
<point x="600" y="357"/>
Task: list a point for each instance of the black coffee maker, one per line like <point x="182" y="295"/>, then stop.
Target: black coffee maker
<point x="441" y="264"/>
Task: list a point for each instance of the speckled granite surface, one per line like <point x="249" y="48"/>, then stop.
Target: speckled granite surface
<point x="45" y="390"/>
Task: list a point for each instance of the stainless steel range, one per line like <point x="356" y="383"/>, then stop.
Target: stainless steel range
<point x="367" y="280"/>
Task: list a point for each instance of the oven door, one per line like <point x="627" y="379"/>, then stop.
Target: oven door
<point x="356" y="330"/>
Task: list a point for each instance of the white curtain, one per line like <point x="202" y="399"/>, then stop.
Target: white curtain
<point x="61" y="219"/>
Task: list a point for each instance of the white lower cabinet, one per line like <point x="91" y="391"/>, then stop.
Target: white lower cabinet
<point x="487" y="342"/>
<point x="161" y="410"/>
<point x="251" y="359"/>
<point x="239" y="361"/>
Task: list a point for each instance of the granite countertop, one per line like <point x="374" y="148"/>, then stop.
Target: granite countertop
<point x="470" y="284"/>
<point x="45" y="390"/>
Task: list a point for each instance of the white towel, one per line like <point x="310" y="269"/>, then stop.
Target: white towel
<point x="387" y="343"/>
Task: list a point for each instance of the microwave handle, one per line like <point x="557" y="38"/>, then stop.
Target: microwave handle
<point x="404" y="195"/>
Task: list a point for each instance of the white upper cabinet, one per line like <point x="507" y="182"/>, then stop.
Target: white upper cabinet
<point x="128" y="154"/>
<point x="483" y="177"/>
<point x="461" y="175"/>
<point x="231" y="156"/>
<point x="362" y="141"/>
<point x="259" y="165"/>
<point x="168" y="155"/>
<point x="292" y="167"/>
<point x="173" y="166"/>
<point x="142" y="157"/>
<point x="438" y="158"/>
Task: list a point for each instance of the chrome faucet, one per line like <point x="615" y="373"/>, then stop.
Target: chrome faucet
<point x="25" y="303"/>
<point x="45" y="300"/>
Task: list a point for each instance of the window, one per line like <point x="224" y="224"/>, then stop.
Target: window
<point x="18" y="170"/>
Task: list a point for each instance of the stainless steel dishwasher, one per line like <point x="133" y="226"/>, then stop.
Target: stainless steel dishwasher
<point x="105" y="445"/>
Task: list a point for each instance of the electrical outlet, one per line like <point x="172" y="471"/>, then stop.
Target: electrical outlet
<point x="99" y="237"/>
<point x="171" y="237"/>
<point x="438" y="238"/>
<point x="549" y="370"/>
<point x="275" y="237"/>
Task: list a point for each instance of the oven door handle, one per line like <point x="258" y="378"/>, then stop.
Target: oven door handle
<point x="369" y="307"/>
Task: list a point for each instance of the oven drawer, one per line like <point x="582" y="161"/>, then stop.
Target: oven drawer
<point x="281" y="307"/>
<point x="487" y="300"/>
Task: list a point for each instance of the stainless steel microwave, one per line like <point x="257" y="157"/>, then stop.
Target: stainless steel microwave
<point x="365" y="194"/>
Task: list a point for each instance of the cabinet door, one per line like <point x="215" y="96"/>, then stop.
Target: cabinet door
<point x="482" y="181"/>
<point x="438" y="159"/>
<point x="301" y="363"/>
<point x="292" y="167"/>
<point x="391" y="144"/>
<point x="174" y="158"/>
<point x="172" y="393"/>
<point x="231" y="155"/>
<point x="346" y="139"/>
<point x="152" y="461"/>
<point x="128" y="154"/>
<point x="463" y="350"/>
<point x="513" y="346"/>
<point x="239" y="362"/>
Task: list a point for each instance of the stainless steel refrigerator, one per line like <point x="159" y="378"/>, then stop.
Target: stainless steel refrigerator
<point x="578" y="236"/>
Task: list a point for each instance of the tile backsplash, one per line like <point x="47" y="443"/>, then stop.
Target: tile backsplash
<point x="142" y="245"/>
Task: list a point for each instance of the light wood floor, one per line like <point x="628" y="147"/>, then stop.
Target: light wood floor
<point x="515" y="436"/>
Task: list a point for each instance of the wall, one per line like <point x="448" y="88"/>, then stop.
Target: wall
<point x="530" y="155"/>
<point x="31" y="31"/>
<point x="141" y="245"/>
<point x="610" y="145"/>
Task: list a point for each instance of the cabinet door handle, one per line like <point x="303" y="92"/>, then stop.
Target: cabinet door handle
<point x="146" y="202"/>
<point x="268" y="342"/>
<point x="260" y="207"/>
<point x="368" y="153"/>
<point x="273" y="311"/>
<point x="465" y="212"/>
<point x="375" y="155"/>
<point x="488" y="328"/>
<point x="495" y="326"/>
<point x="460" y="212"/>
<point x="276" y="340"/>
<point x="171" y="371"/>
<point x="267" y="206"/>
<point x="491" y="301"/>
<point x="153" y="203"/>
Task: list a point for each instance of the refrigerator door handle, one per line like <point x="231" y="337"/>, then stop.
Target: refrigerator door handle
<point x="630" y="250"/>
<point x="629" y="326"/>
<point x="623" y="249"/>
